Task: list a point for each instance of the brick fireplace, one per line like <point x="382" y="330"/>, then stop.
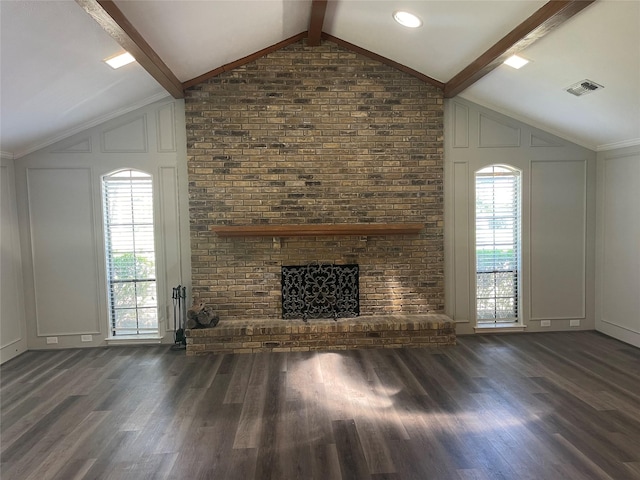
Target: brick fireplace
<point x="315" y="136"/>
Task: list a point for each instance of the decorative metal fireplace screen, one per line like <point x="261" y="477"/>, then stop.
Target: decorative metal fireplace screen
<point x="320" y="291"/>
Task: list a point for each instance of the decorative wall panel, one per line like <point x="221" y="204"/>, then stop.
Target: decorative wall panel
<point x="538" y="140"/>
<point x="462" y="262"/>
<point x="494" y="133"/>
<point x="64" y="255"/>
<point x="130" y="137"/>
<point x="620" y="263"/>
<point x="166" y="130"/>
<point x="460" y="126"/>
<point x="82" y="146"/>
<point x="558" y="239"/>
<point x="12" y="304"/>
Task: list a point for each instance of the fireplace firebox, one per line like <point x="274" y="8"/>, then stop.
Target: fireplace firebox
<point x="320" y="291"/>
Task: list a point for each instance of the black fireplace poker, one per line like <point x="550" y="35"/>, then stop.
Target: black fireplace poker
<point x="179" y="297"/>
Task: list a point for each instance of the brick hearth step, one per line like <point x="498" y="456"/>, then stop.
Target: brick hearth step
<point x="275" y="335"/>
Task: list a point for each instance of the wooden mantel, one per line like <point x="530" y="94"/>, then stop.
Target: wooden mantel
<point x="310" y="230"/>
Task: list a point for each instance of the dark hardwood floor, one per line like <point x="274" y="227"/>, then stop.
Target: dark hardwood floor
<point x="530" y="406"/>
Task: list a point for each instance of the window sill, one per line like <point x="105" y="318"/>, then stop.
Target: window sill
<point x="500" y="328"/>
<point x="134" y="340"/>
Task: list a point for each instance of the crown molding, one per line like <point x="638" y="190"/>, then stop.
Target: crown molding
<point x="634" y="142"/>
<point x="6" y="155"/>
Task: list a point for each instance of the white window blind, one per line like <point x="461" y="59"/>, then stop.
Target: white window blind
<point x="497" y="244"/>
<point x="129" y="240"/>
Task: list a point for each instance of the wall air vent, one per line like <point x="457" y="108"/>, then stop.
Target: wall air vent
<point x="583" y="87"/>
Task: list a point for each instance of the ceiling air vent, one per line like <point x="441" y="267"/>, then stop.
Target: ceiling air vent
<point x="583" y="87"/>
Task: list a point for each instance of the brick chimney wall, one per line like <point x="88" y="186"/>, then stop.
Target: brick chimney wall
<point x="311" y="135"/>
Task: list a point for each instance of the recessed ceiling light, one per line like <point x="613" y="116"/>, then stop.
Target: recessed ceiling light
<point x="121" y="60"/>
<point x="516" y="62"/>
<point x="407" y="19"/>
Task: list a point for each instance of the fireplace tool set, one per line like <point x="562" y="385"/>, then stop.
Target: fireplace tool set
<point x="179" y="296"/>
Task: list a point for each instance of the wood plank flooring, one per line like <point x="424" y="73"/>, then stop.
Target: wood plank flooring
<point x="535" y="406"/>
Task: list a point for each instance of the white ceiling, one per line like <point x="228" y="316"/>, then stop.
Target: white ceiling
<point x="602" y="44"/>
<point x="53" y="82"/>
<point x="454" y="33"/>
<point x="194" y="37"/>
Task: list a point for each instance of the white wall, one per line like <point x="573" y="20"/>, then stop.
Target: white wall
<point x="61" y="223"/>
<point x="558" y="216"/>
<point x="618" y="244"/>
<point x="13" y="327"/>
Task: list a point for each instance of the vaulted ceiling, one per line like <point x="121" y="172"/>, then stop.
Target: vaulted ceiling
<point x="53" y="82"/>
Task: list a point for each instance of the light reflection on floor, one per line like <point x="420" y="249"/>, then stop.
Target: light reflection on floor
<point x="350" y="392"/>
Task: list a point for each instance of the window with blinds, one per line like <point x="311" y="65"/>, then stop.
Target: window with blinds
<point x="497" y="244"/>
<point x="130" y="250"/>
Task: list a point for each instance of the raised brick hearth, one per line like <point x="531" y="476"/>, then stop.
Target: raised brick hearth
<point x="272" y="335"/>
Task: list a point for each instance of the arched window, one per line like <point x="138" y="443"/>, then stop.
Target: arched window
<point x="130" y="251"/>
<point x="497" y="189"/>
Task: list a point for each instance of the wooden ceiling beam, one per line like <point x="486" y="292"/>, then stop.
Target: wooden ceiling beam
<point x="113" y="21"/>
<point x="537" y="26"/>
<point x="318" y="10"/>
